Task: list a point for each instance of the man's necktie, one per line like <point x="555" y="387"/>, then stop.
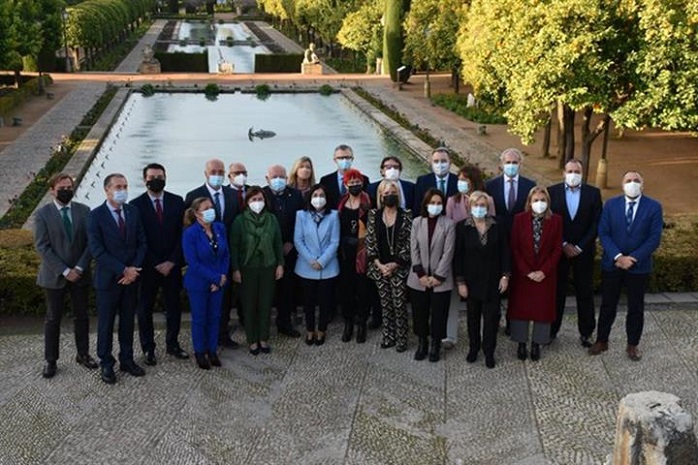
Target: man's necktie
<point x="342" y="189"/>
<point x="511" y="201"/>
<point x="629" y="214"/>
<point x="241" y="200"/>
<point x="67" y="224"/>
<point x="217" y="205"/>
<point x="442" y="185"/>
<point x="122" y="223"/>
<point x="158" y="210"/>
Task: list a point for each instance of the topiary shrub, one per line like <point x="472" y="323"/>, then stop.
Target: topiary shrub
<point x="211" y="91"/>
<point x="147" y="90"/>
<point x="326" y="90"/>
<point x="263" y="91"/>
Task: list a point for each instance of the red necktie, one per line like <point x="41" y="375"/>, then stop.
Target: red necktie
<point x="158" y="210"/>
<point x="122" y="223"/>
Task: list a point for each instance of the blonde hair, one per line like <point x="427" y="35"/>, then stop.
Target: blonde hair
<point x="190" y="213"/>
<point x="382" y="187"/>
<point x="539" y="190"/>
<point x="293" y="174"/>
<point x="477" y="195"/>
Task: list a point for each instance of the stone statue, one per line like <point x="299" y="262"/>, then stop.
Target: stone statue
<point x="148" y="54"/>
<point x="310" y="56"/>
<point x="150" y="64"/>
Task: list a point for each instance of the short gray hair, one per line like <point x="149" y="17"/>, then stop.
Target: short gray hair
<point x="511" y="151"/>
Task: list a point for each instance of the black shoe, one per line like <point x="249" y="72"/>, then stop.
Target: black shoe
<point x="213" y="359"/>
<point x="254" y="351"/>
<point x="435" y="351"/>
<point x="49" y="370"/>
<point x="320" y="340"/>
<point x="348" y="331"/>
<point x="585" y="341"/>
<point x="179" y="353"/>
<point x="535" y="351"/>
<point x="401" y="348"/>
<point x="521" y="352"/>
<point x="265" y="349"/>
<point x="228" y="343"/>
<point x="361" y="333"/>
<point x="422" y="349"/>
<point x="310" y="340"/>
<point x="86" y="361"/>
<point x="489" y="361"/>
<point x="387" y="344"/>
<point x="289" y="332"/>
<point x="132" y="369"/>
<point x="150" y="359"/>
<point x="202" y="361"/>
<point x="374" y="322"/>
<point x="108" y="375"/>
<point x="472" y="356"/>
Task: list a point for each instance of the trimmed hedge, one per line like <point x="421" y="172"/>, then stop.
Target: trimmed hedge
<point x="278" y="63"/>
<point x="16" y="97"/>
<point x="179" y="62"/>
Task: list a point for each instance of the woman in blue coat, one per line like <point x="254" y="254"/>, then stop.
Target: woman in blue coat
<point x="206" y="253"/>
<point x="316" y="239"/>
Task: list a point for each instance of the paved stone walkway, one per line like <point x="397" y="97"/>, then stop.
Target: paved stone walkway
<point x="342" y="403"/>
<point x="134" y="59"/>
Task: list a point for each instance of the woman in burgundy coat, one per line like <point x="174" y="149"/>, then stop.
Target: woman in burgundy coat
<point x="536" y="247"/>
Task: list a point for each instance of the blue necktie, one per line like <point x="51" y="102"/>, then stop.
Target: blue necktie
<point x="442" y="185"/>
<point x="217" y="205"/>
<point x="629" y="214"/>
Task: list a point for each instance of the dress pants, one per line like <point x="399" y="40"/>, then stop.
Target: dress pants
<point x="582" y="267"/>
<point x="171" y="285"/>
<point x="257" y="296"/>
<point x="611" y="285"/>
<point x="393" y="294"/>
<point x="118" y="300"/>
<point x="286" y="292"/>
<point x="429" y="303"/>
<point x="487" y="312"/>
<point x="520" y="330"/>
<point x="205" y="319"/>
<point x="317" y="292"/>
<point x="54" y="313"/>
<point x="353" y="292"/>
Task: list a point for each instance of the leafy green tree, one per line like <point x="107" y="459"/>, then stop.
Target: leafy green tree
<point x="362" y="31"/>
<point x="393" y="37"/>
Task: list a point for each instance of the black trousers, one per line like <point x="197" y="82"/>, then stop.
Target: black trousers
<point x="353" y="289"/>
<point x="582" y="268"/>
<point x="54" y="312"/>
<point x="286" y="292"/>
<point x="317" y="292"/>
<point x="432" y="304"/>
<point x="118" y="300"/>
<point x="635" y="285"/>
<point x="485" y="312"/>
<point x="171" y="286"/>
<point x="374" y="301"/>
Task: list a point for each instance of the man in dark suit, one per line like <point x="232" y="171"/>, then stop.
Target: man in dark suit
<point x="162" y="214"/>
<point x="60" y="237"/>
<point x="579" y="205"/>
<point x="117" y="242"/>
<point x="440" y="178"/>
<point x="334" y="182"/>
<point x="237" y="175"/>
<point x="284" y="202"/>
<point x="391" y="168"/>
<point x="225" y="203"/>
<point x="509" y="190"/>
<point x="630" y="231"/>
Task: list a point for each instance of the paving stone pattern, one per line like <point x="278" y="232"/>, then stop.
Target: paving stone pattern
<point x="340" y="403"/>
<point x="134" y="59"/>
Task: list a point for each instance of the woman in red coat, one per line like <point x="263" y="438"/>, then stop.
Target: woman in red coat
<point x="536" y="247"/>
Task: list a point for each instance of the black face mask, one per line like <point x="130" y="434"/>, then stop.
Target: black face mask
<point x="390" y="200"/>
<point x="355" y="190"/>
<point x="64" y="195"/>
<point x="155" y="185"/>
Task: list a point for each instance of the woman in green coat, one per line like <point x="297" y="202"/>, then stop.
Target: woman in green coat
<point x="257" y="260"/>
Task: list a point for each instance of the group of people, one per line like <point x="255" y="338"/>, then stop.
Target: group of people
<point x="367" y="248"/>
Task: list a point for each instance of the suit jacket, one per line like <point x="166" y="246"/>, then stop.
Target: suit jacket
<point x="495" y="188"/>
<point x="285" y="206"/>
<point x="407" y="189"/>
<point x="580" y="231"/>
<point x="204" y="265"/>
<point x="56" y="250"/>
<point x="435" y="259"/>
<point x="331" y="184"/>
<point x="111" y="251"/>
<point x="231" y="209"/>
<point x="317" y="242"/>
<point x="164" y="240"/>
<point x="639" y="241"/>
<point x="426" y="182"/>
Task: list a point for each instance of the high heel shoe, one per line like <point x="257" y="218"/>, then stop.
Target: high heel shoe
<point x="264" y="348"/>
<point x="310" y="339"/>
<point x="521" y="352"/>
<point x="254" y="350"/>
<point x="202" y="361"/>
<point x="320" y="338"/>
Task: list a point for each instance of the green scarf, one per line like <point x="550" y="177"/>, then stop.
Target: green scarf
<point x="259" y="237"/>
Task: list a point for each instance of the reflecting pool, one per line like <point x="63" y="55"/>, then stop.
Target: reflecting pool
<point x="182" y="131"/>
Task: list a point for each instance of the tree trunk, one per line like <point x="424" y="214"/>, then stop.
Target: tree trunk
<point x="589" y="136"/>
<point x="545" y="150"/>
<point x="455" y="80"/>
<point x="569" y="134"/>
<point x="560" y="153"/>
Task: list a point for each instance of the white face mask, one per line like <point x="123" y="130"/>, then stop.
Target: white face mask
<point x="573" y="179"/>
<point x="434" y="210"/>
<point x="318" y="202"/>
<point x="257" y="206"/>
<point x="392" y="174"/>
<point x="440" y="168"/>
<point x="539" y="207"/>
<point x="632" y="189"/>
<point x="463" y="186"/>
<point x="240" y="180"/>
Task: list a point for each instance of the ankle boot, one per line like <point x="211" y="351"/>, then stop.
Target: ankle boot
<point x="348" y="331"/>
<point x="535" y="351"/>
<point x="522" y="353"/>
<point x="202" y="361"/>
<point x="435" y="351"/>
<point x="422" y="348"/>
<point x="361" y="333"/>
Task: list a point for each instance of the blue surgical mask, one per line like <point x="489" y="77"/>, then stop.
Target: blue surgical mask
<point x="478" y="211"/>
<point x="440" y="168"/>
<point x="511" y="169"/>
<point x="215" y="181"/>
<point x="434" y="210"/>
<point x="209" y="216"/>
<point x="344" y="164"/>
<point x="277" y="184"/>
<point x="463" y="186"/>
<point x="120" y="197"/>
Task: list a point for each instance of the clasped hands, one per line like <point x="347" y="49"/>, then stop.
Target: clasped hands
<point x="74" y="275"/>
<point x="221" y="283"/>
<point x="429" y="281"/>
<point x="387" y="269"/>
<point x="131" y="274"/>
<point x="625" y="262"/>
<point x="536" y="276"/>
